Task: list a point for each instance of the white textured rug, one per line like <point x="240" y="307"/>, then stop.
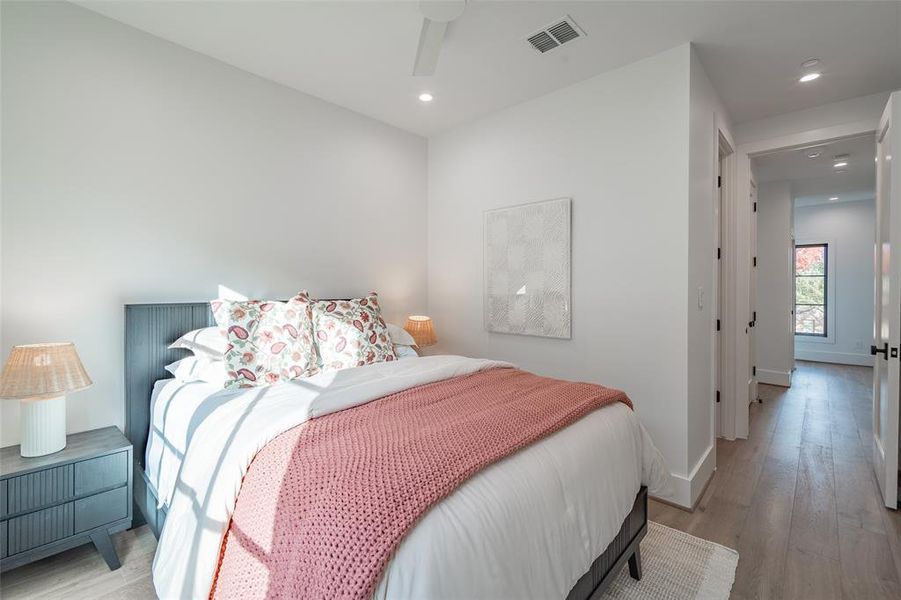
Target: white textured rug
<point x="678" y="566"/>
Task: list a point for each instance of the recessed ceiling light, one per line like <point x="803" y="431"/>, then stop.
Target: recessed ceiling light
<point x="833" y="199"/>
<point x="810" y="63"/>
<point x="840" y="171"/>
<point x="426" y="97"/>
<point x="840" y="164"/>
<point x="809" y="77"/>
<point x="814" y="154"/>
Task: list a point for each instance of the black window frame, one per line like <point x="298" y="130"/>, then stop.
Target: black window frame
<point x="825" y="276"/>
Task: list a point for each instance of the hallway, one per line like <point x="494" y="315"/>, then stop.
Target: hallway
<point x="798" y="499"/>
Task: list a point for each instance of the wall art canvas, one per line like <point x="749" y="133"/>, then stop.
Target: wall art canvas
<point x="527" y="269"/>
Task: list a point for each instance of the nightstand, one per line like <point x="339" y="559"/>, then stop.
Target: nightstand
<point x="51" y="503"/>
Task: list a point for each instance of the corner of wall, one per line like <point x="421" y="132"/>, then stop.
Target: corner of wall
<point x="685" y="490"/>
<point x="707" y="117"/>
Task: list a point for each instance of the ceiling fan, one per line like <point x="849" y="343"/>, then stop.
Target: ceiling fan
<point x="437" y="14"/>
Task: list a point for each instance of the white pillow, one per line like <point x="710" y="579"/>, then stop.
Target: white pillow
<point x="399" y="336"/>
<point x="404" y="352"/>
<point x="193" y="368"/>
<point x="208" y="342"/>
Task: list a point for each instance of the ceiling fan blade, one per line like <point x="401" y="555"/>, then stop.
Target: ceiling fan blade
<point x="430" y="39"/>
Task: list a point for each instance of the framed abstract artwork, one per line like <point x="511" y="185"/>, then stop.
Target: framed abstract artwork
<point x="527" y="269"/>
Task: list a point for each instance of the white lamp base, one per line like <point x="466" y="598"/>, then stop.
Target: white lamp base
<point x="43" y="426"/>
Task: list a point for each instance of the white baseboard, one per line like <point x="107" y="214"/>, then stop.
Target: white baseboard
<point x="841" y="358"/>
<point x="684" y="491"/>
<point x="771" y="377"/>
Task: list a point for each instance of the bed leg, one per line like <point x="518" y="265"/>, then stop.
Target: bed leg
<point x="635" y="565"/>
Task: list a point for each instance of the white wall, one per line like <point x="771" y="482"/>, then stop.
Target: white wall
<point x="849" y="228"/>
<point x="855" y="110"/>
<point x="136" y="170"/>
<point x="708" y="117"/>
<point x="618" y="145"/>
<point x="774" y="338"/>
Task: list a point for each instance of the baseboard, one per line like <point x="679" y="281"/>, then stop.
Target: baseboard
<point x="840" y="358"/>
<point x="771" y="377"/>
<point x="685" y="491"/>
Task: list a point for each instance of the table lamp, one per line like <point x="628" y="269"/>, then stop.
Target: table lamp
<point x="40" y="375"/>
<point x="420" y="327"/>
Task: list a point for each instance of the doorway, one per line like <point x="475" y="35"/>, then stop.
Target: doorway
<point x="818" y="265"/>
<point x="813" y="281"/>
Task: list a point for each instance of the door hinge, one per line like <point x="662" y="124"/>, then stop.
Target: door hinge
<point x="719" y="181"/>
<point x="754" y="318"/>
<point x="717" y="396"/>
<point x="754" y="371"/>
<point x="755" y="261"/>
<point x="755" y="207"/>
<point x="719" y="253"/>
<point x="717" y="324"/>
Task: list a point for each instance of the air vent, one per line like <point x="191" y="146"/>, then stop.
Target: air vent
<point x="556" y="34"/>
<point x="563" y="32"/>
<point x="542" y="41"/>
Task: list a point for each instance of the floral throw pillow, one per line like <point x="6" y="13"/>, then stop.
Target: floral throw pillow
<point x="351" y="333"/>
<point x="268" y="341"/>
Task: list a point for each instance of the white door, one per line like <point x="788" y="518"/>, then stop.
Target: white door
<point x="752" y="317"/>
<point x="886" y="386"/>
<point x="717" y="336"/>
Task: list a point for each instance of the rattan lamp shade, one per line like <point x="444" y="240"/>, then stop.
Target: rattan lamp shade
<point x="420" y="327"/>
<point x="38" y="371"/>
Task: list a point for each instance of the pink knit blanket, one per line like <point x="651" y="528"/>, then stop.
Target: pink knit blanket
<point x="324" y="505"/>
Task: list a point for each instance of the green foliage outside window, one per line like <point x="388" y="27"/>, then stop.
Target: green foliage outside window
<point x="810" y="289"/>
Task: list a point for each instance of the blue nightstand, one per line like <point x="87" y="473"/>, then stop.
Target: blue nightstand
<point x="81" y="494"/>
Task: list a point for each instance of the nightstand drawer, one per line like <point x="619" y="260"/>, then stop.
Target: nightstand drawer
<point x="39" y="489"/>
<point x="101" y="509"/>
<point x="39" y="528"/>
<point x="101" y="473"/>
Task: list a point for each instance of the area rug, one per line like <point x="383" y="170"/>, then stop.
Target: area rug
<point x="677" y="566"/>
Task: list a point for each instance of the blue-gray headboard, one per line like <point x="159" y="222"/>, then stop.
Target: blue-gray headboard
<point x="149" y="329"/>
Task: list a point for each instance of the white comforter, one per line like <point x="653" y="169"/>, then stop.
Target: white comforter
<point x="528" y="526"/>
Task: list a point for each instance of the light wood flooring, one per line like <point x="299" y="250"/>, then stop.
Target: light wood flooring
<point x="798" y="500"/>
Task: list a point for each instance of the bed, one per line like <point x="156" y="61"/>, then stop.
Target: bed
<point x="602" y="512"/>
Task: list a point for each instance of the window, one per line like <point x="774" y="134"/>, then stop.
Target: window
<point x="811" y="261"/>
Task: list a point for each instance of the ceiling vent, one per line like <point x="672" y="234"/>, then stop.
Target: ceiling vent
<point x="556" y="34"/>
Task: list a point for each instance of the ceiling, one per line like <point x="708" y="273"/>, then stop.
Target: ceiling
<point x="814" y="181"/>
<point x="360" y="54"/>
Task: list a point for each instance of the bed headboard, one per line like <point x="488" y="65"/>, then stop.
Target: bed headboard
<point x="149" y="329"/>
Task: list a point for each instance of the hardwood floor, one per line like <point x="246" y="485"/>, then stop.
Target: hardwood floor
<point x="81" y="574"/>
<point x="798" y="500"/>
